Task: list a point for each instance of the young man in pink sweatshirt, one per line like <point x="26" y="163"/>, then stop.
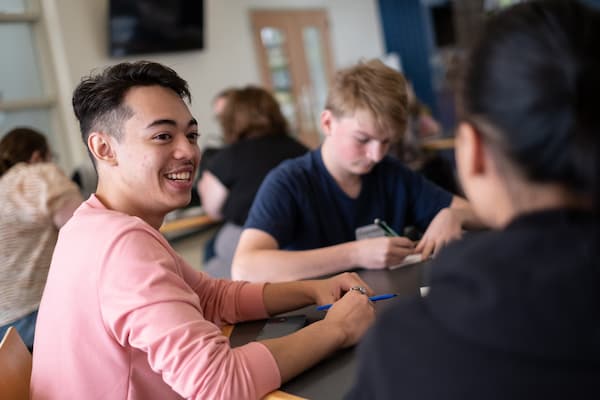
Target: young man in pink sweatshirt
<point x="122" y="315"/>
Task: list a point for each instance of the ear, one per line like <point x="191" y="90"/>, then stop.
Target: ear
<point x="326" y="121"/>
<point x="101" y="146"/>
<point x="471" y="157"/>
<point x="36" y="157"/>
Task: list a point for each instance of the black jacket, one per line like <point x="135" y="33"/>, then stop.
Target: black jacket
<point x="512" y="314"/>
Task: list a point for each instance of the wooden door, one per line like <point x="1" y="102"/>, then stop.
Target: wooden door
<point x="296" y="64"/>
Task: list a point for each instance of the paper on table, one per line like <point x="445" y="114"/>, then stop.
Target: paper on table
<point x="369" y="231"/>
<point x="410" y="259"/>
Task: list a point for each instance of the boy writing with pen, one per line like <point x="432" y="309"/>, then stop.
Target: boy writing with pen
<point x="303" y="220"/>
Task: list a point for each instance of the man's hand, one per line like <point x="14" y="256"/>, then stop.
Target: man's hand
<point x="352" y="315"/>
<point x="378" y="253"/>
<point x="326" y="291"/>
<point x="343" y="326"/>
<point x="445" y="227"/>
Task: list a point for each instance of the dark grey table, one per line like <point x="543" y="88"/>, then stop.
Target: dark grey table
<point x="333" y="377"/>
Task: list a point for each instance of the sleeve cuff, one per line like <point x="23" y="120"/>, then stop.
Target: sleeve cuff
<point x="263" y="368"/>
<point x="251" y="302"/>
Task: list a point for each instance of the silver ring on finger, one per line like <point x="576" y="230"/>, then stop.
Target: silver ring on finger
<point x="361" y="289"/>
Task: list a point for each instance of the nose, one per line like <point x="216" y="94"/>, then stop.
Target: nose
<point x="185" y="150"/>
<point x="376" y="151"/>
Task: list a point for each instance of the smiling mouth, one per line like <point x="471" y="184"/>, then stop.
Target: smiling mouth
<point x="179" y="176"/>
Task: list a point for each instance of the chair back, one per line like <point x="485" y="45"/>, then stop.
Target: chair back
<point x="15" y="367"/>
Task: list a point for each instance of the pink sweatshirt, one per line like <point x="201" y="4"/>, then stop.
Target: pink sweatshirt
<point x="124" y="317"/>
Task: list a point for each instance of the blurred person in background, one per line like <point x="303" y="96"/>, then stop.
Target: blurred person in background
<point x="257" y="140"/>
<point x="211" y="147"/>
<point x="37" y="199"/>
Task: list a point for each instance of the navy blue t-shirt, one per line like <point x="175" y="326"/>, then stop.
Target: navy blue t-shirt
<point x="302" y="207"/>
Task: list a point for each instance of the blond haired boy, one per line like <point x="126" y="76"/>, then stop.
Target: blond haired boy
<point x="303" y="220"/>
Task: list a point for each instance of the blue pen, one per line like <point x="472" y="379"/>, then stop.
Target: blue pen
<point x="373" y="298"/>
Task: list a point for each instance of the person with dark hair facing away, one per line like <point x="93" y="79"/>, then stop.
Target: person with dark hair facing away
<point x="512" y="313"/>
<point x="125" y="317"/>
<point x="304" y="219"/>
<point x="257" y="138"/>
<point x="37" y="200"/>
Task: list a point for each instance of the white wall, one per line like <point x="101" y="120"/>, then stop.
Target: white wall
<point x="228" y="58"/>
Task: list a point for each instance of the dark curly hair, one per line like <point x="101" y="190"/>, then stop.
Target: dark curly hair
<point x="98" y="99"/>
<point x="18" y="145"/>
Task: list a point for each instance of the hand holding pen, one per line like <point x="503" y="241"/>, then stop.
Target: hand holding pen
<point x="382" y="252"/>
<point x="386" y="228"/>
<point x="372" y="298"/>
<point x="351" y="315"/>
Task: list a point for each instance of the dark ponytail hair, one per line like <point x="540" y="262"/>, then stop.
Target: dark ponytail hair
<point x="18" y="145"/>
<point x="531" y="88"/>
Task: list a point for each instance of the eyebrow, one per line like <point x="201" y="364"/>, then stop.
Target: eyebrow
<point x="372" y="137"/>
<point x="363" y="133"/>
<point x="172" y="122"/>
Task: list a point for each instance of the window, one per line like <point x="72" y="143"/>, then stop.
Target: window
<point x="26" y="95"/>
<point x="295" y="62"/>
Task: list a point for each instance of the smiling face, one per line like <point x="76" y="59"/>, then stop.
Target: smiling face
<point x="354" y="144"/>
<point x="150" y="170"/>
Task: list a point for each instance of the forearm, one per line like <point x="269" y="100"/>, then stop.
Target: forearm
<point x="464" y="212"/>
<point x="211" y="208"/>
<point x="287" y="296"/>
<point x="290" y="352"/>
<point x="213" y="213"/>
<point x="274" y="265"/>
<point x="213" y="194"/>
<point x="468" y="219"/>
<point x="229" y="302"/>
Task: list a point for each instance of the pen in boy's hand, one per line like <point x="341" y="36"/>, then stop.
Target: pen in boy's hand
<point x="386" y="228"/>
<point x="372" y="298"/>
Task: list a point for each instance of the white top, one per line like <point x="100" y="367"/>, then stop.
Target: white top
<point x="30" y="194"/>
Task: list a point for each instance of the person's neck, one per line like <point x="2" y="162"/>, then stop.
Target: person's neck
<point x="350" y="183"/>
<point x="119" y="203"/>
<point x="539" y="197"/>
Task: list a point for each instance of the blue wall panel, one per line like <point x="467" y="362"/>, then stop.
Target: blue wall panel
<point x="594" y="3"/>
<point x="407" y="32"/>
